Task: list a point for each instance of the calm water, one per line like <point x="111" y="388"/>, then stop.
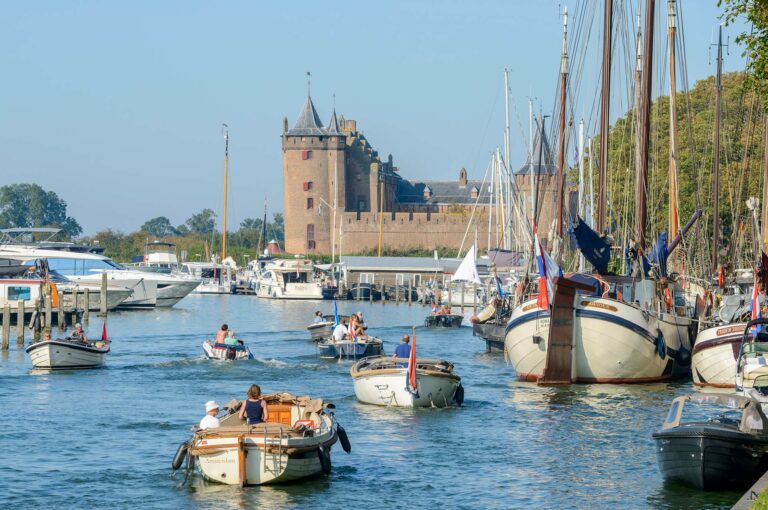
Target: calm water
<point x="105" y="438"/>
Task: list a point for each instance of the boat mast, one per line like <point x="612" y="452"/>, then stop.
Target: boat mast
<point x="561" y="155"/>
<point x="642" y="176"/>
<point x="591" y="219"/>
<point x="716" y="161"/>
<point x="674" y="219"/>
<point x="638" y="93"/>
<point x="764" y="239"/>
<point x="530" y="169"/>
<point x="226" y="177"/>
<point x="508" y="174"/>
<point x="581" y="185"/>
<point x="264" y="228"/>
<point x="605" y="105"/>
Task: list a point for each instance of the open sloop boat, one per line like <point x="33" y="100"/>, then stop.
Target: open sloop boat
<point x="294" y="443"/>
<point x="382" y="381"/>
<point x="67" y="353"/>
<point x="215" y="350"/>
<point x="363" y="347"/>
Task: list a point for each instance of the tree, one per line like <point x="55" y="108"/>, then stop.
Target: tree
<point x="203" y="222"/>
<point x="251" y="224"/>
<point x="277" y="228"/>
<point x="755" y="41"/>
<point x="159" y="227"/>
<point x="29" y="205"/>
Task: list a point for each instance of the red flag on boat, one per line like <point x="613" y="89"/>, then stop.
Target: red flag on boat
<point x="410" y="381"/>
<point x="104" y="332"/>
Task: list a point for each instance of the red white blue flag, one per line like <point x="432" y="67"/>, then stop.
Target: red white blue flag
<point x="548" y="270"/>
<point x="410" y="375"/>
<point x="754" y="305"/>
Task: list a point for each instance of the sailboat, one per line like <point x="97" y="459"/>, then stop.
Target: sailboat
<point x="462" y="294"/>
<point x="603" y="327"/>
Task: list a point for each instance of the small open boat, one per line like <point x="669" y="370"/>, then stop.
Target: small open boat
<point x="226" y="351"/>
<point x="324" y="329"/>
<point x="382" y="381"/>
<point x="294" y="443"/>
<point x="363" y="347"/>
<point x="443" y="321"/>
<point x="721" y="442"/>
<point x="67" y="353"/>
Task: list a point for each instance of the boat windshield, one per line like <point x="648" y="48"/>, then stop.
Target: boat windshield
<point x="294" y="277"/>
<point x="80" y="267"/>
<point x="698" y="412"/>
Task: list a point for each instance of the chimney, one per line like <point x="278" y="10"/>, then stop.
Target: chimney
<point x="462" y="177"/>
<point x="285" y="125"/>
<point x="351" y="126"/>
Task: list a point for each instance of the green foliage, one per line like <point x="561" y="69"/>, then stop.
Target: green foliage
<point x="203" y="222"/>
<point x="29" y="205"/>
<point x="159" y="227"/>
<point x="755" y="12"/>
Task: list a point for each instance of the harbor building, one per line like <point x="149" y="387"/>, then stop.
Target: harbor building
<point x="338" y="193"/>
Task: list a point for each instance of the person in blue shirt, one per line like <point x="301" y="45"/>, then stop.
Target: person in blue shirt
<point x="404" y="349"/>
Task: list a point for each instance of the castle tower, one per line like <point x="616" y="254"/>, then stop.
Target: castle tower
<point x="313" y="181"/>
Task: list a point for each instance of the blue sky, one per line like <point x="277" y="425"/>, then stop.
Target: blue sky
<point x="117" y="106"/>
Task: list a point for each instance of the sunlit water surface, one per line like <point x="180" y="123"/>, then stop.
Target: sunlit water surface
<point x="105" y="438"/>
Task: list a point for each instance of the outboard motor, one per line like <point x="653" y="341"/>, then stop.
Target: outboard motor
<point x="231" y="353"/>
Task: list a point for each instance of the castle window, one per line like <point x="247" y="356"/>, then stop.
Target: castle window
<point x="306" y="154"/>
<point x="310" y="236"/>
<point x="310" y="203"/>
<point x="474" y="192"/>
<point x="307" y="186"/>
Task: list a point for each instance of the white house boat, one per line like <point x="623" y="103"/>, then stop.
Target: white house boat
<point x="289" y="279"/>
<point x="213" y="277"/>
<point x="295" y="443"/>
<point x="382" y="381"/>
<point x="67" y="354"/>
<point x="608" y="338"/>
<point x="715" y="353"/>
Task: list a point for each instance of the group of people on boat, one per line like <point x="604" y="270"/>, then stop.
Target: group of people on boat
<point x="346" y="330"/>
<point x="226" y="336"/>
<point x="253" y="410"/>
<point x="443" y="310"/>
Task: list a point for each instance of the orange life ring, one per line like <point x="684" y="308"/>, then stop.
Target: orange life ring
<point x="668" y="298"/>
<point x="721" y="277"/>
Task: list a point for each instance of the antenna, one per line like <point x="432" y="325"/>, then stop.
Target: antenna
<point x="309" y="82"/>
<point x="225" y="132"/>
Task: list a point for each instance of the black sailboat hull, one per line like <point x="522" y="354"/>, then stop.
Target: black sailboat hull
<point x="711" y="456"/>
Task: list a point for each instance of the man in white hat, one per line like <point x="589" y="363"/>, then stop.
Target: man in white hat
<point x="210" y="421"/>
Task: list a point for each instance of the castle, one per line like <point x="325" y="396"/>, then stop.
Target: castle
<point x="339" y="196"/>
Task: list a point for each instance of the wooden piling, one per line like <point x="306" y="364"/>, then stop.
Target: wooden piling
<point x="359" y="282"/>
<point x="461" y="289"/>
<point x="370" y="294"/>
<point x="397" y="293"/>
<point x="61" y="318"/>
<point x="474" y="300"/>
<point x="103" y="296"/>
<point x="77" y="300"/>
<point x="20" y="322"/>
<point x="48" y="314"/>
<point x="6" y="326"/>
<point x="449" y="296"/>
<point x="86" y="307"/>
<point x="410" y="291"/>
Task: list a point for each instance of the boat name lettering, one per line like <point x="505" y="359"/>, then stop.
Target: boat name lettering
<point x="529" y="307"/>
<point x="729" y="329"/>
<point x="602" y="306"/>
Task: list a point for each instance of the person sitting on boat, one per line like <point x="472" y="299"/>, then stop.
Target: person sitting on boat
<point x="78" y="333"/>
<point x="47" y="336"/>
<point x="230" y="339"/>
<point x="403" y="350"/>
<point x="318" y="317"/>
<point x="445" y="310"/>
<point x="221" y="335"/>
<point x="253" y="409"/>
<point x="210" y="421"/>
<point x="360" y="318"/>
<point x="354" y="325"/>
<point x="340" y="331"/>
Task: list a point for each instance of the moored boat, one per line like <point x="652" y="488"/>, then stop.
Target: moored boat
<point x="294" y="443"/>
<point x="219" y="351"/>
<point x="67" y="354"/>
<point x="382" y="381"/>
<point x="721" y="442"/>
<point x="361" y="347"/>
<point x="713" y="361"/>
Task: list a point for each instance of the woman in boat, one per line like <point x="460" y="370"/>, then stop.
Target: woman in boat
<point x="318" y="317"/>
<point x="254" y="410"/>
<point x="230" y="339"/>
<point x="354" y="325"/>
<point x="221" y="335"/>
<point x="78" y="333"/>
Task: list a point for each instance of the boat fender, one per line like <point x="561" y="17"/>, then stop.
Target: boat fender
<point x="661" y="345"/>
<point x="325" y="459"/>
<point x="683" y="357"/>
<point x="458" y="395"/>
<point x="181" y="454"/>
<point x="343" y="439"/>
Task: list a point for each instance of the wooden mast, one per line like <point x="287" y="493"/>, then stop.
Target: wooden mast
<point x="561" y="155"/>
<point x="764" y="240"/>
<point x="226" y="177"/>
<point x="642" y="175"/>
<point x="604" y="115"/>
<point x="674" y="219"/>
<point x="716" y="161"/>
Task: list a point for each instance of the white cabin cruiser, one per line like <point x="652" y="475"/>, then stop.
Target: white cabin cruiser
<point x="214" y="278"/>
<point x="289" y="279"/>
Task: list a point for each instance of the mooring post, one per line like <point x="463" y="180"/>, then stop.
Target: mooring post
<point x="461" y="289"/>
<point x="61" y="318"/>
<point x="20" y="322"/>
<point x="359" y="281"/>
<point x="86" y="307"/>
<point x="397" y="292"/>
<point x="6" y="326"/>
<point x="474" y="300"/>
<point x="410" y="291"/>
<point x="48" y="314"/>
<point x="74" y="312"/>
<point x="450" y="301"/>
<point x="103" y="296"/>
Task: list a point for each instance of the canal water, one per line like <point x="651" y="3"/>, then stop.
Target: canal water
<point x="105" y="438"/>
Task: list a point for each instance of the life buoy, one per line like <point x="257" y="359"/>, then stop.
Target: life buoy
<point x="661" y="345"/>
<point x="721" y="277"/>
<point x="325" y="459"/>
<point x="668" y="298"/>
<point x="181" y="454"/>
<point x="343" y="439"/>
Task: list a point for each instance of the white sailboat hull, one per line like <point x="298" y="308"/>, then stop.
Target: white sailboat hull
<point x="613" y="342"/>
<point x="62" y="355"/>
<point x="389" y="389"/>
<point x="715" y="354"/>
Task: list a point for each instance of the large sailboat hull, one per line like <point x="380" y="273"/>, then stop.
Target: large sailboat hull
<point x="613" y="342"/>
<point x="715" y="353"/>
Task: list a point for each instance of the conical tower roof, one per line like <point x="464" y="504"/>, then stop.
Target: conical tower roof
<point x="308" y="123"/>
<point x="541" y="154"/>
<point x="333" y="125"/>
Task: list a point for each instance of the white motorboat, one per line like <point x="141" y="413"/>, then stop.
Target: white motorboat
<point x="66" y="354"/>
<point x="752" y="362"/>
<point x="289" y="279"/>
<point x="613" y="339"/>
<point x="213" y="278"/>
<point x="382" y="381"/>
<point x="239" y="351"/>
<point x="361" y="347"/>
<point x="293" y="444"/>
<point x="715" y="353"/>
